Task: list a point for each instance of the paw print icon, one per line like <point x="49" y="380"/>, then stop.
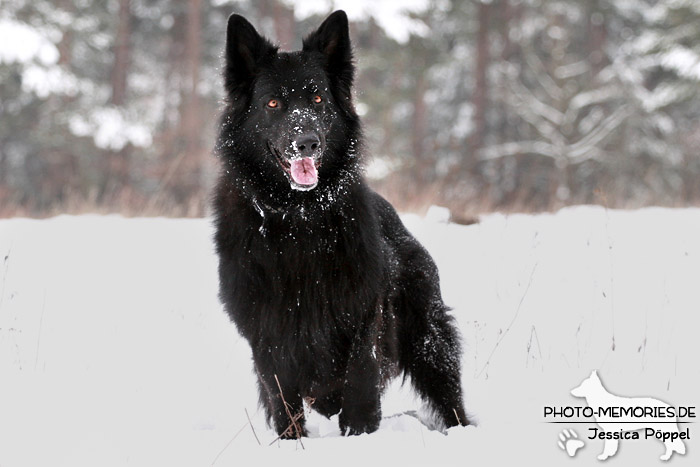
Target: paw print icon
<point x="569" y="442"/>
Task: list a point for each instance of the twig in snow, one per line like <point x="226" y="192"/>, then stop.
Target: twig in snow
<point x="289" y="429"/>
<point x="612" y="271"/>
<point x="294" y="427"/>
<point x="228" y="444"/>
<point x="41" y="325"/>
<point x="310" y="401"/>
<point x="515" y="316"/>
<point x="4" y="277"/>
<point x="457" y="417"/>
<point x="533" y="334"/>
<point x="251" y="426"/>
<point x="234" y="438"/>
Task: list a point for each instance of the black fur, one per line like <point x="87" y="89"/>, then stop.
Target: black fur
<point x="332" y="292"/>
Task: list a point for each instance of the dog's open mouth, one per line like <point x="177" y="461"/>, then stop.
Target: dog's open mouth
<point x="302" y="171"/>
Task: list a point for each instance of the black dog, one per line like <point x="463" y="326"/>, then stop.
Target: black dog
<point x="317" y="271"/>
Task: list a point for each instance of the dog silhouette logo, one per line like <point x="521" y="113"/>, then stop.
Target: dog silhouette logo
<point x="640" y="413"/>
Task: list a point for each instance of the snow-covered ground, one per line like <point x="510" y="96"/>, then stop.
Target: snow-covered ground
<point x="114" y="349"/>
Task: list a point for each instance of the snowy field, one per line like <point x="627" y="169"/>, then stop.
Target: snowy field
<point x="114" y="349"/>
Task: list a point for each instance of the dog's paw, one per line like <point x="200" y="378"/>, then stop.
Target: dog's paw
<point x="357" y="420"/>
<point x="569" y="442"/>
<point x="347" y="430"/>
<point x="357" y="426"/>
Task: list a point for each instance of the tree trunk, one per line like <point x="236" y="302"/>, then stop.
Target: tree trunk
<point x="481" y="84"/>
<point x="284" y="25"/>
<point x="3" y="168"/>
<point x="191" y="169"/>
<point x="118" y="162"/>
<point x="507" y="12"/>
<point x="122" y="53"/>
<point x="418" y="125"/>
<point x="597" y="36"/>
<point x="65" y="45"/>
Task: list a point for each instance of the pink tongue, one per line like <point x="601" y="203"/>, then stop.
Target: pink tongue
<point x="304" y="171"/>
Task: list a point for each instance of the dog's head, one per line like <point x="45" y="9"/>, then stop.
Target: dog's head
<point x="287" y="110"/>
<point x="588" y="386"/>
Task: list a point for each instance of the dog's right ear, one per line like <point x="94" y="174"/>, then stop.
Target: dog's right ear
<point x="244" y="49"/>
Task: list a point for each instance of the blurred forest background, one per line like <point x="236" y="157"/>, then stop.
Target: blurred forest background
<point x="527" y="105"/>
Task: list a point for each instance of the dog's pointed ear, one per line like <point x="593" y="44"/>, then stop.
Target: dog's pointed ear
<point x="332" y="40"/>
<point x="244" y="49"/>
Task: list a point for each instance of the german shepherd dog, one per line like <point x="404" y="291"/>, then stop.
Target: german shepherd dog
<point x="316" y="270"/>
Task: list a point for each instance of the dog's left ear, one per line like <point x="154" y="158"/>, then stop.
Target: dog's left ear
<point x="332" y="39"/>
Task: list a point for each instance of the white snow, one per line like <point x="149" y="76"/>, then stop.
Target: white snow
<point x="21" y="43"/>
<point x="392" y="16"/>
<point x="45" y="81"/>
<point x="684" y="61"/>
<point x="112" y="128"/>
<point x="114" y="349"/>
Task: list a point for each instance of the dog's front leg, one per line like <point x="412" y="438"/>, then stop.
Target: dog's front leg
<point x="609" y="449"/>
<point x="281" y="398"/>
<point x="361" y="411"/>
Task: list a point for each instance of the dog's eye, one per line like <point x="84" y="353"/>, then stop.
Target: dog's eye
<point x="318" y="99"/>
<point x="273" y="103"/>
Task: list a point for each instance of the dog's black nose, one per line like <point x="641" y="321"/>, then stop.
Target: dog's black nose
<point x="307" y="144"/>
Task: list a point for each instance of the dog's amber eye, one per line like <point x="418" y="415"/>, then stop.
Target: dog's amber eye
<point x="318" y="99"/>
<point x="273" y="103"/>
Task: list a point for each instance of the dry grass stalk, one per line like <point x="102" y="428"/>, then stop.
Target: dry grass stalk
<point x="294" y="428"/>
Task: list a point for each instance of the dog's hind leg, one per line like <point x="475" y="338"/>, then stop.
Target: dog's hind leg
<point x="428" y="341"/>
<point x="673" y="446"/>
<point x="430" y="355"/>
